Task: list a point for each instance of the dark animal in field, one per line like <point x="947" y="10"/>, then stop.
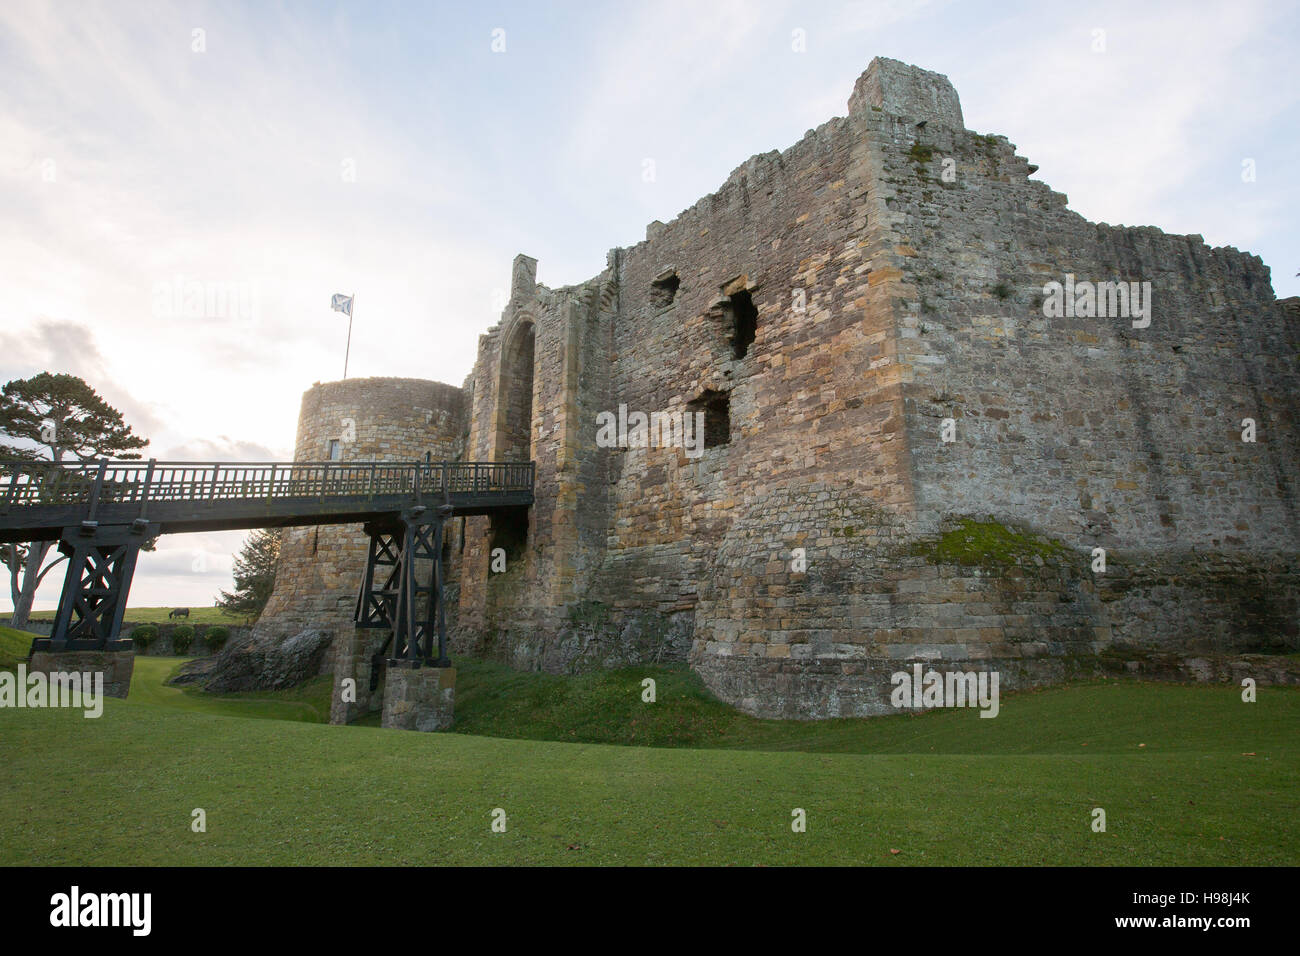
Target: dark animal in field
<point x="179" y="612"/>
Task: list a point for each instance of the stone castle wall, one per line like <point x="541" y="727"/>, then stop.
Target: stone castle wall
<point x="889" y="299"/>
<point x="551" y="348"/>
<point x="828" y="308"/>
<point x="373" y="419"/>
<point x="1090" y="429"/>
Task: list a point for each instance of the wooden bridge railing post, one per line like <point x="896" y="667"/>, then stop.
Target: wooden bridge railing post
<point x="94" y="494"/>
<point x="13" y="488"/>
<point x="144" y="492"/>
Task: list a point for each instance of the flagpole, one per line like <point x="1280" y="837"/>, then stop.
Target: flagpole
<point x="352" y="308"/>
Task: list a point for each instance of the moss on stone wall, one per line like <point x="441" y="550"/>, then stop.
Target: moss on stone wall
<point x="589" y="613"/>
<point x="990" y="544"/>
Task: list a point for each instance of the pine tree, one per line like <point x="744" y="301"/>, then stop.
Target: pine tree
<point x="50" y="416"/>
<point x="254" y="573"/>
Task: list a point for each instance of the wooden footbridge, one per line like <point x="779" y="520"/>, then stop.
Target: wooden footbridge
<point x="102" y="512"/>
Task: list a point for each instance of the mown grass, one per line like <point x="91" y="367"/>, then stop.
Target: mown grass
<point x="285" y="792"/>
<point x="1108" y="716"/>
<point x="1186" y="775"/>
<point x="14" y="647"/>
<point x="308" y="702"/>
<point x="158" y="615"/>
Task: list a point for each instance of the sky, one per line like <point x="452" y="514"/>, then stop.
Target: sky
<point x="270" y="154"/>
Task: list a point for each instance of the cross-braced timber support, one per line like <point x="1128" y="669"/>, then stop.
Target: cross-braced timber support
<point x="394" y="593"/>
<point x="377" y="602"/>
<point x="101" y="563"/>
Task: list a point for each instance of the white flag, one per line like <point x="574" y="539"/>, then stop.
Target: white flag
<point x="341" y="303"/>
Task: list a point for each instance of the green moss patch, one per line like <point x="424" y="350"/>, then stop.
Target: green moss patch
<point x="991" y="544"/>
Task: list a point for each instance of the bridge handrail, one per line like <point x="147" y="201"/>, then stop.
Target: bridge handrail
<point x="35" y="484"/>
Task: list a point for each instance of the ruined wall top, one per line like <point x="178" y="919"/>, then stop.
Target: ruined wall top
<point x="523" y="277"/>
<point x="906" y="90"/>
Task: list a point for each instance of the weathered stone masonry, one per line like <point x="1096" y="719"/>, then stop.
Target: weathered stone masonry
<point x="320" y="569"/>
<point x="830" y="306"/>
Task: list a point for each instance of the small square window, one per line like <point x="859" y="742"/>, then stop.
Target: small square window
<point x="716" y="407"/>
<point x="664" y="289"/>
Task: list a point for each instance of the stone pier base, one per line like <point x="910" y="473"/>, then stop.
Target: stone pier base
<point x="116" y="666"/>
<point x="419" y="698"/>
<point x="352" y="661"/>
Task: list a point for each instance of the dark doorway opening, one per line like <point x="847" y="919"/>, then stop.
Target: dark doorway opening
<point x="510" y="532"/>
<point x="745" y="316"/>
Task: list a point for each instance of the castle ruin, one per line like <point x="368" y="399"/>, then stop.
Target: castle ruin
<point x="908" y="453"/>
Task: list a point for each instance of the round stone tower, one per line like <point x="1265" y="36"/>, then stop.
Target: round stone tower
<point x="364" y="419"/>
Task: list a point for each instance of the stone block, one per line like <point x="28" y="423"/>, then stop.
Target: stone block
<point x="419" y="698"/>
<point x="115" y="666"/>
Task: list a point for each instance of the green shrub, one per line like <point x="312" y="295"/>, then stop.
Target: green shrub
<point x="182" y="637"/>
<point x="214" y="637"/>
<point x="920" y="153"/>
<point x="144" y="635"/>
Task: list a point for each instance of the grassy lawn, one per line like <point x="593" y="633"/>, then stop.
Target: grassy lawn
<point x="1217" y="782"/>
<point x="14" y="646"/>
<point x="308" y="702"/>
<point x="606" y="707"/>
<point x="158" y="615"/>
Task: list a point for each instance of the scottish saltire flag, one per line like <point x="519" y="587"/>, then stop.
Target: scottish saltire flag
<point x="341" y="303"/>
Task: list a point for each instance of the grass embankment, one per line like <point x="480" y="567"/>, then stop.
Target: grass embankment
<point x="606" y="707"/>
<point x="14" y="647"/>
<point x="308" y="702"/>
<point x="1216" y="782"/>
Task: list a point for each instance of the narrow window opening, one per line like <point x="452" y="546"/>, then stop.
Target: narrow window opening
<point x="745" y="315"/>
<point x="717" y="417"/>
<point x="336" y="450"/>
<point x="664" y="289"/>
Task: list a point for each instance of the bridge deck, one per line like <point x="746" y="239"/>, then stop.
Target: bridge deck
<point x="39" y="499"/>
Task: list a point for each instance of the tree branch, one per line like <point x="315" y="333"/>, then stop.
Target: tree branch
<point x="41" y="577"/>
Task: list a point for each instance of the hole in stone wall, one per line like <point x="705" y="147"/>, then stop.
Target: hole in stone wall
<point x="717" y="416"/>
<point x="745" y="315"/>
<point x="664" y="289"/>
<point x="510" y="531"/>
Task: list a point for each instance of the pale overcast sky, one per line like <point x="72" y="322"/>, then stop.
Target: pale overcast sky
<point x="288" y="151"/>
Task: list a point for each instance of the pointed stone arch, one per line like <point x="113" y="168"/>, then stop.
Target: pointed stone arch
<point x="516" y="390"/>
